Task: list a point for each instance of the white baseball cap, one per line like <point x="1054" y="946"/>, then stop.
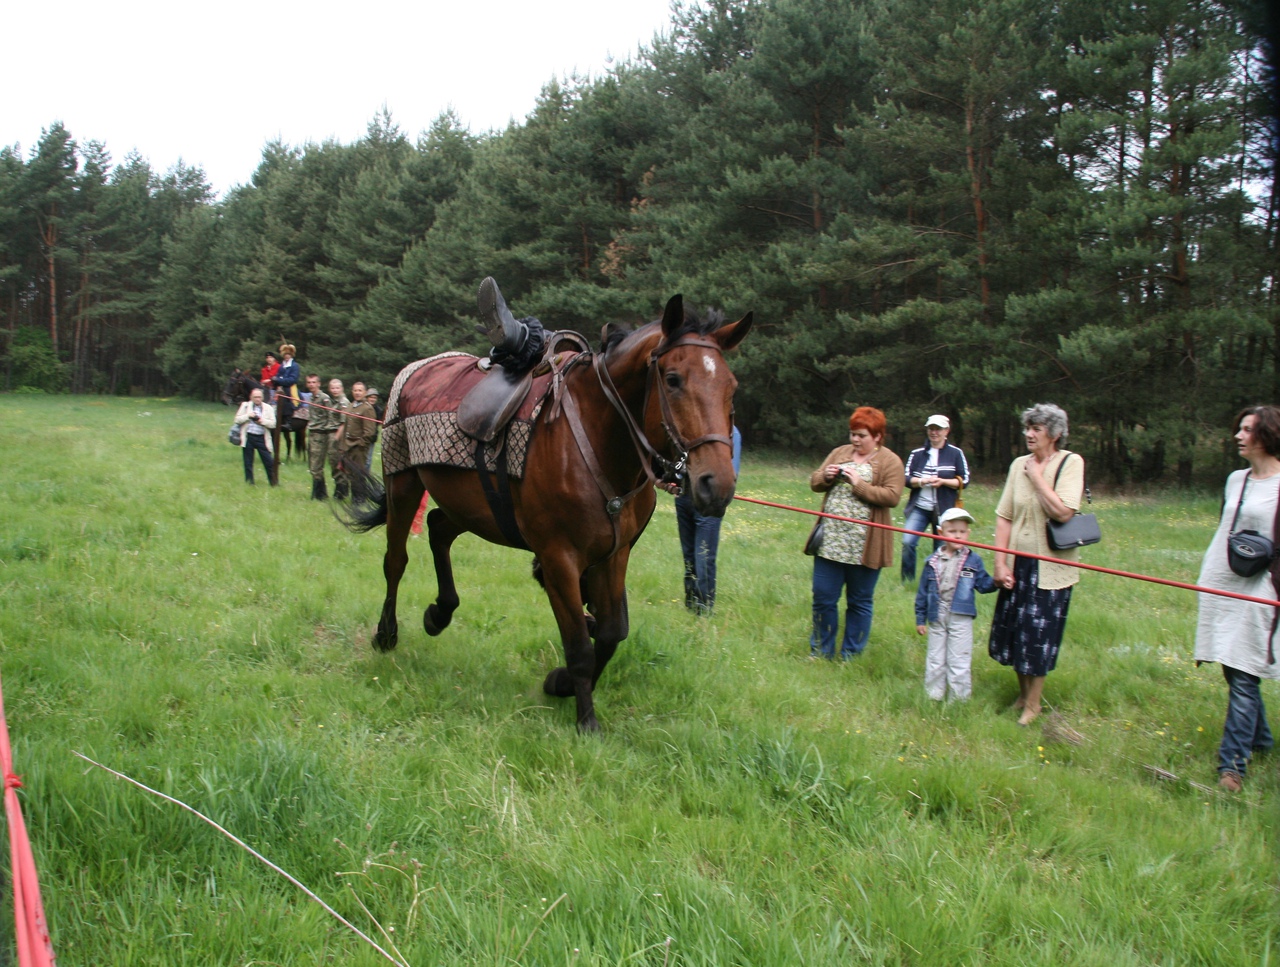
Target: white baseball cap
<point x="955" y="513"/>
<point x="938" y="420"/>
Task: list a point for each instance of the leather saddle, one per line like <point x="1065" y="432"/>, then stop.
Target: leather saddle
<point x="489" y="405"/>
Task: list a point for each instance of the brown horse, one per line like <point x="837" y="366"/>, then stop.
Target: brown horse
<point x="587" y="490"/>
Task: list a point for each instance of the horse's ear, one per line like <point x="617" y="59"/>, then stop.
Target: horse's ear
<point x="672" y="315"/>
<point x="732" y="334"/>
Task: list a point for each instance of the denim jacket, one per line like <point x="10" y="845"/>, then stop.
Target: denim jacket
<point x="973" y="577"/>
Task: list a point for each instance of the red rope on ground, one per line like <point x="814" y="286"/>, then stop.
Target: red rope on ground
<point x="1038" y="557"/>
<point x="35" y="949"/>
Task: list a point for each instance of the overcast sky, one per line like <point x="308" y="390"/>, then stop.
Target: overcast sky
<point x="211" y="84"/>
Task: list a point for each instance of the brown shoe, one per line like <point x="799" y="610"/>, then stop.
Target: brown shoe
<point x="1230" y="782"/>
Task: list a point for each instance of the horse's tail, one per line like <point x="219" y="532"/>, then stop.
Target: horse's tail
<point x="366" y="515"/>
<point x="368" y="508"/>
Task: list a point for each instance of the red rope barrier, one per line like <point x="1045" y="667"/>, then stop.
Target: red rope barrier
<point x="334" y="409"/>
<point x="1039" y="557"/>
<point x="35" y="949"/>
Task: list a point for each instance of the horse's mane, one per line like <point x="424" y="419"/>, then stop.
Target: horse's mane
<point x="691" y="324"/>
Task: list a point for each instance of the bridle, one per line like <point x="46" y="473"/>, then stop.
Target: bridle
<point x="655" y="464"/>
<point x="650" y="458"/>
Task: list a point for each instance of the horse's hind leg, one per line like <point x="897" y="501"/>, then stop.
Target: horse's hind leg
<point x="404" y="493"/>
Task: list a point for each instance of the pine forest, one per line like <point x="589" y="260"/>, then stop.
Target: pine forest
<point x="946" y="206"/>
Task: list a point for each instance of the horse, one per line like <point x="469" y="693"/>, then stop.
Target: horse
<point x="290" y="426"/>
<point x="238" y="387"/>
<point x="587" y="491"/>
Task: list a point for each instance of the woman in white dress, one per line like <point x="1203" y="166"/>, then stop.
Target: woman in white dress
<point x="1240" y="635"/>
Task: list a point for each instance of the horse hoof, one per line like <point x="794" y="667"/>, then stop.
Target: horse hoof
<point x="558" y="683"/>
<point x="433" y="622"/>
<point x="385" y="642"/>
<point x="588" y="726"/>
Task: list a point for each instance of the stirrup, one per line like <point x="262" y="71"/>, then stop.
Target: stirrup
<point x="504" y="331"/>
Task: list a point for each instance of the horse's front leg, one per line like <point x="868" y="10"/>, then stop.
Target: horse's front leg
<point x="607" y="591"/>
<point x="577" y="678"/>
<point x="403" y="494"/>
<point x="441" y="533"/>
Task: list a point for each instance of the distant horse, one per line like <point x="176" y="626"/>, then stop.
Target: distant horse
<point x="587" y="493"/>
<point x="238" y="387"/>
<point x="290" y="426"/>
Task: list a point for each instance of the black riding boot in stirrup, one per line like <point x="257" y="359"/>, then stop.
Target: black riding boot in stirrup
<point x="505" y="332"/>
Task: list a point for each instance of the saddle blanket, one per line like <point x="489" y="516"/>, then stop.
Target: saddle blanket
<point x="421" y="422"/>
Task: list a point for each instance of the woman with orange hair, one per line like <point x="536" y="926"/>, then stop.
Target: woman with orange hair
<point x="862" y="480"/>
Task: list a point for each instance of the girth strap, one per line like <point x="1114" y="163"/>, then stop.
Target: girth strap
<point x="499" y="497"/>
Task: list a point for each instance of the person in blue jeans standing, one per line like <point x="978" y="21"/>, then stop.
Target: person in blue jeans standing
<point x="860" y="480"/>
<point x="699" y="542"/>
<point x="1240" y="635"/>
<point x="935" y="474"/>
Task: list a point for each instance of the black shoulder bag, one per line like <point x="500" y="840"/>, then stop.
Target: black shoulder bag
<point x="1081" y="529"/>
<point x="1248" y="552"/>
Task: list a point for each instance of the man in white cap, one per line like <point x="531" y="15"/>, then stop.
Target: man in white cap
<point x="936" y="473"/>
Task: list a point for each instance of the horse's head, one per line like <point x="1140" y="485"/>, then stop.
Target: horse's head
<point x="692" y="400"/>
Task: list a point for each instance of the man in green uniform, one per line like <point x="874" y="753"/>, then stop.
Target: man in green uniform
<point x="322" y="423"/>
<point x="358" y="433"/>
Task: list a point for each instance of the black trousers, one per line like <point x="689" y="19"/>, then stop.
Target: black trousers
<point x="252" y="442"/>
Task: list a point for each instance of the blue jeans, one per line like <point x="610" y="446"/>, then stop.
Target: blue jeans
<point x="699" y="541"/>
<point x="859" y="586"/>
<point x="1245" y="731"/>
<point x="917" y="520"/>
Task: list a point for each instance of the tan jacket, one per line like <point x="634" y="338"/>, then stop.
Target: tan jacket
<point x="268" y="422"/>
<point x="882" y="494"/>
<point x="358" y="432"/>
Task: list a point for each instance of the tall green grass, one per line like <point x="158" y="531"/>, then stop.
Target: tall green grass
<point x="744" y="805"/>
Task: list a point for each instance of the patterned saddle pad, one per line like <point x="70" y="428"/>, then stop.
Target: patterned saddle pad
<point x="421" y="422"/>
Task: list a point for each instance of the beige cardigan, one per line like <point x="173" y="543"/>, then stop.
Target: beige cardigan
<point x="1027" y="519"/>
<point x="882" y="494"/>
<point x="268" y="421"/>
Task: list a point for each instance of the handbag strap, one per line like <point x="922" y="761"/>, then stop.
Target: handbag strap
<point x="1236" y="516"/>
<point x="1087" y="495"/>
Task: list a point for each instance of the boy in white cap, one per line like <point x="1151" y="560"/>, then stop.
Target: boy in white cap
<point x="945" y="608"/>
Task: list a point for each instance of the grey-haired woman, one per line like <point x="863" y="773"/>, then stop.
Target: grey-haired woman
<point x="1031" y="610"/>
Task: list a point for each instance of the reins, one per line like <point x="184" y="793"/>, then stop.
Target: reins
<point x="649" y="456"/>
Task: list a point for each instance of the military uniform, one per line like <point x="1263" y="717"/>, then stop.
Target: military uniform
<point x="322" y="424"/>
<point x="361" y="429"/>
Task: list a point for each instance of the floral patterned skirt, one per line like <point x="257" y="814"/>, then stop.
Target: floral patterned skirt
<point x="1026" y="631"/>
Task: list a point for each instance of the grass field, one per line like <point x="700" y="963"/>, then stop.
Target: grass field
<point x="744" y="805"/>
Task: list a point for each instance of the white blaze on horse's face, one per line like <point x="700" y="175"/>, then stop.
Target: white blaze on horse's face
<point x="709" y="365"/>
